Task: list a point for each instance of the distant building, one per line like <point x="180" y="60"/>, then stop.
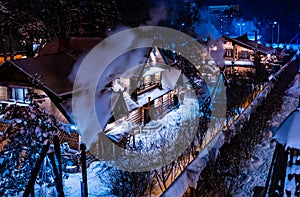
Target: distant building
<point x="241" y="50"/>
<point x="239" y="56"/>
<point x="222" y="16"/>
<point x="186" y="12"/>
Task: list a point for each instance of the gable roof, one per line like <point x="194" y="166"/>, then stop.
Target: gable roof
<point x="16" y="74"/>
<point x="55" y="62"/>
<point x="54" y="70"/>
<point x="250" y="44"/>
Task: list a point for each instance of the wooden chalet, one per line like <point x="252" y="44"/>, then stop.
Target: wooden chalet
<point x="140" y="97"/>
<point x="54" y="64"/>
<point x="238" y="57"/>
<point x="242" y="51"/>
<point x="134" y="92"/>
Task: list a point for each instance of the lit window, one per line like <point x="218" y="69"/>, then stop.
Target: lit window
<point x="19" y="95"/>
<point x="244" y="55"/>
<point x="229" y="53"/>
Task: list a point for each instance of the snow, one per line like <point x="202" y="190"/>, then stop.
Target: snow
<point x="98" y="183"/>
<point x="239" y="63"/>
<point x="170" y="125"/>
<point x="152" y="70"/>
<point x="288" y="132"/>
<point x="165" y="128"/>
<point x="170" y="77"/>
<point x="96" y="186"/>
<point x="290" y="185"/>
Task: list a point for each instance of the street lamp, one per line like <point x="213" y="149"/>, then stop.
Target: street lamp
<point x="240" y="25"/>
<point x="274" y="23"/>
<point x="278" y="31"/>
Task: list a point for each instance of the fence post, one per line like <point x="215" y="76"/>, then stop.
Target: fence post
<point x="84" y="186"/>
<point x="30" y="187"/>
<point x="58" y="155"/>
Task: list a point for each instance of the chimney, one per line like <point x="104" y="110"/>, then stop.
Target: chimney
<point x="255" y="35"/>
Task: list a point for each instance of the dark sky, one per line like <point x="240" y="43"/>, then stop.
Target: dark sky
<point x="287" y="11"/>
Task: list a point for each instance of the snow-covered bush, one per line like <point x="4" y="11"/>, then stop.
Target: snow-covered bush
<point x="31" y="127"/>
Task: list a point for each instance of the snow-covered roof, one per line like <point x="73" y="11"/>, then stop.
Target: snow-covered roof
<point x="250" y="44"/>
<point x="288" y="133"/>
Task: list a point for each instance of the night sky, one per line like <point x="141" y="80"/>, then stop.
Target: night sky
<point x="288" y="12"/>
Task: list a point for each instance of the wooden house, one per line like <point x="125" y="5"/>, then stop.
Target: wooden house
<point x="145" y="92"/>
<point x="242" y="51"/>
<point x="242" y="57"/>
<point x="54" y="89"/>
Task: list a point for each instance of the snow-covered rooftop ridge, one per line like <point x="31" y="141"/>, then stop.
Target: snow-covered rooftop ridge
<point x="288" y="133"/>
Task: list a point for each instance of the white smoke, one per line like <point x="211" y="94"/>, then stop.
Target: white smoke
<point x="110" y="71"/>
<point x="206" y="30"/>
<point x="242" y="26"/>
<point x="157" y="13"/>
<point x="203" y="27"/>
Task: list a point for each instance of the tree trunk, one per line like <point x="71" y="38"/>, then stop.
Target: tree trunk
<point x="3" y="42"/>
<point x="11" y="41"/>
<point x="29" y="49"/>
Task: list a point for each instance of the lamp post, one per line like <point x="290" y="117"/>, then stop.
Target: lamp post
<point x="278" y="31"/>
<point x="273" y="25"/>
<point x="272" y="34"/>
<point x="240" y="25"/>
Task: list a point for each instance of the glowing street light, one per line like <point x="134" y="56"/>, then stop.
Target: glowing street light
<point x="240" y="25"/>
<point x="275" y="23"/>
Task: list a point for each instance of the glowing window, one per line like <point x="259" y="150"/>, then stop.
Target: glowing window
<point x="19" y="95"/>
<point x="244" y="55"/>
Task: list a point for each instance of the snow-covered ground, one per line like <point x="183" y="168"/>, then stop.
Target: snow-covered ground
<point x="98" y="183"/>
<point x="156" y="132"/>
<point x="169" y="127"/>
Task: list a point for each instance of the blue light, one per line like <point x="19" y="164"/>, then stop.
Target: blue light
<point x="73" y="127"/>
<point x="182" y="24"/>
